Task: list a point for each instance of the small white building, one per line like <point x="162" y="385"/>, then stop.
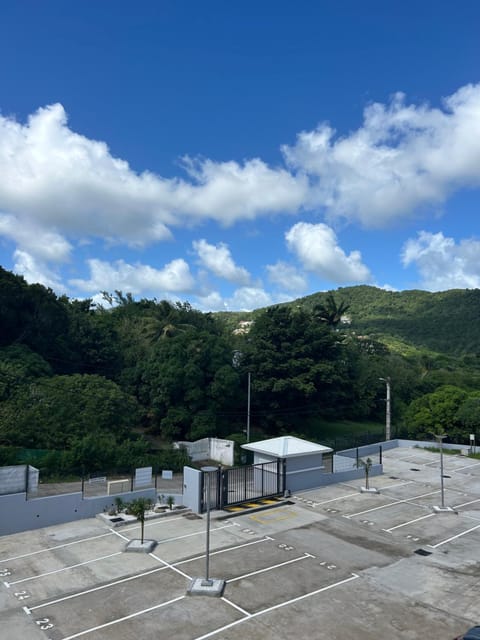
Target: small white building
<point x="304" y="461"/>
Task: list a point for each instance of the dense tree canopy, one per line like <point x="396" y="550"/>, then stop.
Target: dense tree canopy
<point x="85" y="379"/>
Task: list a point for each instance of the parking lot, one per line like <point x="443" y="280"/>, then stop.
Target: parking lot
<point x="335" y="563"/>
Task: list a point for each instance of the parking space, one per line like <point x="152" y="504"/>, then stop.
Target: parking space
<point x="333" y="559"/>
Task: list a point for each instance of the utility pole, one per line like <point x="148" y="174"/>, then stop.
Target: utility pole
<point x="387" y="409"/>
<point x="248" y="406"/>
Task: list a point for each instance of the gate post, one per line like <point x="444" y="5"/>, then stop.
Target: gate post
<point x="223" y="487"/>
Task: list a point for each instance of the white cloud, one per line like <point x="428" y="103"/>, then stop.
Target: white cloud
<point x="402" y="158"/>
<point x="36" y="241"/>
<point x="218" y="260"/>
<point x="287" y="277"/>
<point x="36" y="271"/>
<point x="56" y="177"/>
<point x="316" y="247"/>
<point x="228" y="191"/>
<point x="137" y="279"/>
<point x="242" y="299"/>
<point x="442" y="263"/>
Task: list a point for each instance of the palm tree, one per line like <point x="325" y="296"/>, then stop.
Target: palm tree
<point x="330" y="312"/>
<point x="138" y="508"/>
<point x="367" y="465"/>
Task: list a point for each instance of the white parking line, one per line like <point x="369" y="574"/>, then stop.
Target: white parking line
<point x="145" y="573"/>
<point x="58" y="546"/>
<point x="457" y="506"/>
<point x="404" y="524"/>
<point x="347" y="495"/>
<point x="430" y="515"/>
<point x="196" y="533"/>
<point x="72" y="566"/>
<point x="468" y="466"/>
<point x="459" y="535"/>
<point x="151" y="523"/>
<point x="99" y="588"/>
<point x="170" y="566"/>
<point x="129" y="617"/>
<point x="274" y="566"/>
<point x="390" y="504"/>
<point x="249" y="616"/>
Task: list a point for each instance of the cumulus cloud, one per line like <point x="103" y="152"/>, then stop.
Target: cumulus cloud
<point x="34" y="270"/>
<point x="442" y="263"/>
<point x="286" y="276"/>
<point x="242" y="299"/>
<point x="137" y="279"/>
<point x="52" y="175"/>
<point x="44" y="244"/>
<point x="218" y="260"/>
<point x="403" y="157"/>
<point x="315" y="245"/>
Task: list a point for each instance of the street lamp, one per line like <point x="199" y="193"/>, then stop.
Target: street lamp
<point x="387" y="409"/>
<point x="439" y="437"/>
<point x="207" y="586"/>
<point x="208" y="471"/>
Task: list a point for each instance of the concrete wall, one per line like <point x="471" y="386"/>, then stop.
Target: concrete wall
<point x="20" y="514"/>
<point x="303" y="472"/>
<point x="221" y="451"/>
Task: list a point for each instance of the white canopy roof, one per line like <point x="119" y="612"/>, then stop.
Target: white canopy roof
<point x="286" y="447"/>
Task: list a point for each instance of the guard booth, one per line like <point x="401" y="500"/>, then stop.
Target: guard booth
<point x="281" y="465"/>
<point x="303" y="461"/>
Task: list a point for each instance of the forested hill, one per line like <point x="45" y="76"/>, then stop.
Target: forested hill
<point x="72" y="372"/>
<point x="446" y="322"/>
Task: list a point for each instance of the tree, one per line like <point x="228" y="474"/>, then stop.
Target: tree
<point x="51" y="412"/>
<point x="296" y="364"/>
<point x="434" y="411"/>
<point x="367" y="465"/>
<point x="330" y="312"/>
<point x="138" y="508"/>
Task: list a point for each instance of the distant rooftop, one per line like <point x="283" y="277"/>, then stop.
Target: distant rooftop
<point x="286" y="447"/>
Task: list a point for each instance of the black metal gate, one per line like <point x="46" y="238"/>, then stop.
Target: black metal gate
<point x="238" y="485"/>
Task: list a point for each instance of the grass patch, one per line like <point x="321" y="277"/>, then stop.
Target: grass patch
<point x="448" y="452"/>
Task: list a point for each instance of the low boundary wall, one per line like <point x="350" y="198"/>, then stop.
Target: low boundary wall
<point x="20" y="514"/>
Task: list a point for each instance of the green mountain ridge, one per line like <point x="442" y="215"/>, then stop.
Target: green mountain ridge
<point x="445" y="322"/>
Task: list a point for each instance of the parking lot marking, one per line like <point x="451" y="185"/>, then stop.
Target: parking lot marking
<point x="390" y="504"/>
<point x="274" y="566"/>
<point x="404" y="524"/>
<point x="73" y="566"/>
<point x="214" y="553"/>
<point x="153" y="522"/>
<point x="459" y="535"/>
<point x="468" y="466"/>
<point x="170" y="566"/>
<point x="210" y="634"/>
<point x="99" y="588"/>
<point x="235" y="606"/>
<point x="117" y="533"/>
<point x="129" y="617"/>
<point x="457" y="506"/>
<point x="347" y="495"/>
<point x="59" y="546"/>
<point x="265" y="517"/>
<point x="196" y="533"/>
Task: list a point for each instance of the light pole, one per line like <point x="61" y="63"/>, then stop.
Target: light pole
<point x="207" y="586"/>
<point x="439" y="438"/>
<point x="207" y="582"/>
<point x="387" y="409"/>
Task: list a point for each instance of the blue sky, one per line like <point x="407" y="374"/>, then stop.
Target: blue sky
<point x="240" y="154"/>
